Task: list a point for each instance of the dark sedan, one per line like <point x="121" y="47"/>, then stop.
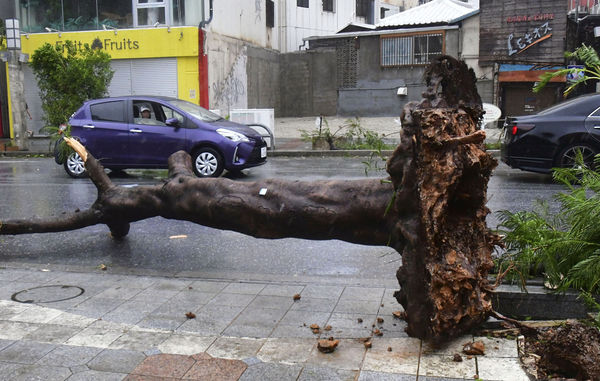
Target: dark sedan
<point x="554" y="137"/>
<point x="142" y="132"/>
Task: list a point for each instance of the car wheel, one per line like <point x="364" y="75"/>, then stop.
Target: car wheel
<point x="74" y="165"/>
<point x="207" y="162"/>
<point x="568" y="157"/>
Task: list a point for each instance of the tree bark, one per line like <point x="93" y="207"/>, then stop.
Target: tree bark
<point x="432" y="209"/>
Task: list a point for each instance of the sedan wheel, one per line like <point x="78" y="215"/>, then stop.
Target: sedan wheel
<point x="207" y="163"/>
<point x="74" y="165"/>
<point x="568" y="157"/>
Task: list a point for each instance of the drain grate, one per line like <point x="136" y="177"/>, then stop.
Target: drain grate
<point x="47" y="294"/>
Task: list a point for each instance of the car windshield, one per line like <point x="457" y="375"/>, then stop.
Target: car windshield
<point x="196" y="111"/>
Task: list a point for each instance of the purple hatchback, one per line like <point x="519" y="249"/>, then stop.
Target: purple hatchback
<point x="142" y="132"/>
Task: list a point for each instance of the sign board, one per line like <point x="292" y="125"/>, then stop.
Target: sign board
<point x="492" y="114"/>
<point x="575" y="76"/>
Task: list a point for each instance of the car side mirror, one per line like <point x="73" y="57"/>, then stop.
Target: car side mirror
<point x="173" y="122"/>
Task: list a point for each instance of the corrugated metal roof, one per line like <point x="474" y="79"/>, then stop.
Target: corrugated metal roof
<point x="433" y="12"/>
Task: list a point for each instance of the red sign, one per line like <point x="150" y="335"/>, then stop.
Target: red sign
<point x="527" y="18"/>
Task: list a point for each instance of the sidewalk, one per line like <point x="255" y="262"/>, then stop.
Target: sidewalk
<point x="135" y="327"/>
<point x="288" y="136"/>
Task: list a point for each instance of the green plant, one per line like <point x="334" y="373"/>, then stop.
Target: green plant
<point x="566" y="246"/>
<point x="67" y="76"/>
<point x="585" y="54"/>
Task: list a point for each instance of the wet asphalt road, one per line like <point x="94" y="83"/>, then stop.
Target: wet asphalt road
<point x="37" y="186"/>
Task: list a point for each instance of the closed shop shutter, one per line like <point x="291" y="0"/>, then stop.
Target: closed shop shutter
<point x="149" y="76"/>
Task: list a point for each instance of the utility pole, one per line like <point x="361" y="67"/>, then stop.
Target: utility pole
<point x="16" y="89"/>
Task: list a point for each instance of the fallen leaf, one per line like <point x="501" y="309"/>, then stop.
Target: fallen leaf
<point x="327" y="346"/>
<point x="377" y="332"/>
<point x="327" y="328"/>
<point x="457" y="358"/>
<point x="190" y="315"/>
<point x="178" y="236"/>
<point x="379" y="320"/>
<point x="315" y="328"/>
<point x="296" y="297"/>
<point x="399" y="314"/>
<point x="389" y="349"/>
<point x="103" y="267"/>
<point x="368" y="344"/>
<point x="360" y="320"/>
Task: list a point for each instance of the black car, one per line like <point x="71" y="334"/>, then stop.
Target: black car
<point x="553" y="137"/>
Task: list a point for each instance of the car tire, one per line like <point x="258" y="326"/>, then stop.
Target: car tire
<point x="207" y="162"/>
<point x="74" y="166"/>
<point x="566" y="158"/>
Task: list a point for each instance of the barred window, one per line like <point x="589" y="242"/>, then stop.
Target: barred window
<point x="411" y="50"/>
<point x="362" y="8"/>
<point x="302" y="3"/>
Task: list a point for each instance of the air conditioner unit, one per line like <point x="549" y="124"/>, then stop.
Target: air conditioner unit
<point x="262" y="116"/>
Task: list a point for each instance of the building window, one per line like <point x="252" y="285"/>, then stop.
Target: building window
<point x="270" y="10"/>
<point x="382" y="12"/>
<point x="411" y="50"/>
<point x="302" y="3"/>
<point x="328" y="6"/>
<point x="362" y="8"/>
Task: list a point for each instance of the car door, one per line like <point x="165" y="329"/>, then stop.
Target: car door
<point x="151" y="141"/>
<point x="104" y="134"/>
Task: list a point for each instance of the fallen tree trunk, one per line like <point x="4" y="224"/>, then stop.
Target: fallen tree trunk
<point x="432" y="209"/>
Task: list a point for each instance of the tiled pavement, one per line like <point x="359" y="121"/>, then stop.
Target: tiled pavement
<point x="135" y="327"/>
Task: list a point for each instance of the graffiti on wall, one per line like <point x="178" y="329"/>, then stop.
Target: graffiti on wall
<point x="230" y="91"/>
<point x="257" y="10"/>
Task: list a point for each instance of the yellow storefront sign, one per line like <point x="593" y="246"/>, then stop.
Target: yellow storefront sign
<point x="123" y="43"/>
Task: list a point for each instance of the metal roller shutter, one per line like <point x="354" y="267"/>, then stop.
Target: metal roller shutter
<point x="148" y="76"/>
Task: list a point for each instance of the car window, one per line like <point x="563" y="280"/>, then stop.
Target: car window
<point x="170" y="113"/>
<point x="108" y="111"/>
<point x="149" y="113"/>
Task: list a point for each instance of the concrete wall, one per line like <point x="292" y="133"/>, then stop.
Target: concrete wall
<point x="469" y="52"/>
<point x="307" y="83"/>
<point x="262" y="71"/>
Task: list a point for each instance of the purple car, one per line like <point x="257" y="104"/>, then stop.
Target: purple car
<point x="142" y="132"/>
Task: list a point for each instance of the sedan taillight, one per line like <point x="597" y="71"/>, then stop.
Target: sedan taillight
<point x="521" y="128"/>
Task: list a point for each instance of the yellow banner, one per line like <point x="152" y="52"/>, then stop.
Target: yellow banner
<point x="123" y="43"/>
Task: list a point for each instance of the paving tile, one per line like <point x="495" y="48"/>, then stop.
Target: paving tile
<point x="369" y="307"/>
<point x="287" y="350"/>
<point x="192" y="299"/>
<point x="116" y="361"/>
<point x="154" y="295"/>
<point x="25" y="352"/>
<point x="204" y="326"/>
<point x="363" y="293"/>
<point x="317" y="373"/>
<point x="351" y="320"/>
<point x="13" y="330"/>
<point x="260" y="317"/>
<point x="305" y="318"/>
<point x="170" y="284"/>
<point x="94" y="375"/>
<point x="247" y="330"/>
<point x="7" y="289"/>
<point x="215" y="369"/>
<point x="69" y="356"/>
<point x="448" y="348"/>
<point x="53" y="333"/>
<point x="96" y="307"/>
<point x="139" y="341"/>
<point x="314" y="304"/>
<point x="366" y="375"/>
<point x="186" y="344"/>
<point x="9" y="309"/>
<point x="244" y="288"/>
<point x="232" y="299"/>
<point x="285" y="290"/>
<point x="95" y="337"/>
<point x="130" y="312"/>
<point x="347" y="333"/>
<point x="208" y="286"/>
<point x="162" y="322"/>
<point x="71" y="319"/>
<point x="136" y="377"/>
<point x="36" y="314"/>
<point x="5" y="343"/>
<point x="390" y="305"/>
<point x="291" y="331"/>
<point x="322" y="292"/>
<point x="139" y="282"/>
<point x="348" y="355"/>
<point x="271" y="372"/>
<point x="36" y="372"/>
<point x="235" y="348"/>
<point x="403" y="359"/>
<point x="165" y="365"/>
<point x="119" y="292"/>
<point x="271" y="302"/>
<point x="6" y="369"/>
<point x="445" y="366"/>
<point x="498" y="347"/>
<point x="500" y="369"/>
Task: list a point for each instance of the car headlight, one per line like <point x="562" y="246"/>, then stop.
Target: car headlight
<point x="235" y="136"/>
